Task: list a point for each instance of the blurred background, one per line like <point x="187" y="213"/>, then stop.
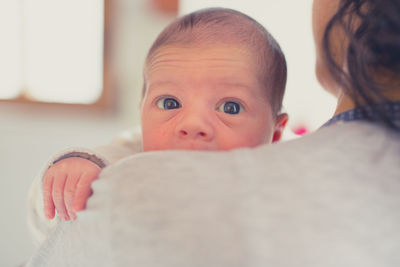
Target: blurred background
<point x="71" y="75"/>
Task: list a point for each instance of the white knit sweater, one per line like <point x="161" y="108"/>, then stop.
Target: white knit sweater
<point x="331" y="198"/>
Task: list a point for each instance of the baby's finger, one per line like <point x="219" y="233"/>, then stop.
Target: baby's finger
<point x="69" y="194"/>
<point x="48" y="203"/>
<point x="58" y="194"/>
<point x="83" y="190"/>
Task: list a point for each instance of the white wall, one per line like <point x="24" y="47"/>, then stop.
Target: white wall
<point x="29" y="135"/>
<point x="27" y="138"/>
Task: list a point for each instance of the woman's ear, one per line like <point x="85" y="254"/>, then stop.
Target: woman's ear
<point x="280" y="124"/>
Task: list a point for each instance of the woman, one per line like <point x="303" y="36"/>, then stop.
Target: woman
<point x="358" y="57"/>
<point x="331" y="198"/>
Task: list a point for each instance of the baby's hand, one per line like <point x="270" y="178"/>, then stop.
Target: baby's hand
<point x="67" y="186"/>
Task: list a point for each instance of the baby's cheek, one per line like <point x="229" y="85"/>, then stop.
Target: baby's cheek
<point x="260" y="138"/>
<point x="157" y="141"/>
<point x="229" y="142"/>
<point x="248" y="139"/>
<point x="149" y="142"/>
<point x="164" y="134"/>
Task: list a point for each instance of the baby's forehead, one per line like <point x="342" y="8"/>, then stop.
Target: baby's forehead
<point x="202" y="54"/>
<point x="229" y="66"/>
<point x="223" y="68"/>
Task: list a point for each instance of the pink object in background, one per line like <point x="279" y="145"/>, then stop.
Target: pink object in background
<point x="300" y="130"/>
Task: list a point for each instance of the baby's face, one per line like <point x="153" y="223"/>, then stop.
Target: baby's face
<point x="204" y="98"/>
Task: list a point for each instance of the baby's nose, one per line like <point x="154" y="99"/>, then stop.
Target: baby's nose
<point x="195" y="127"/>
<point x="191" y="133"/>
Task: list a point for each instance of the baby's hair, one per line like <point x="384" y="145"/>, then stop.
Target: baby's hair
<point x="221" y="25"/>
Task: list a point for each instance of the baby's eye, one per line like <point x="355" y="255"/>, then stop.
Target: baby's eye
<point x="231" y="107"/>
<point x="168" y="103"/>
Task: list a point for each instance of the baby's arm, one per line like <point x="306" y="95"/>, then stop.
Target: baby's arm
<point x="38" y="223"/>
<point x="67" y="186"/>
<point x="67" y="182"/>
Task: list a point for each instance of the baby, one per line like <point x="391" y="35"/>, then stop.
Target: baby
<point x="213" y="80"/>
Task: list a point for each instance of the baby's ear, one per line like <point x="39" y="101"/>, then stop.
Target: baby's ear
<point x="280" y="124"/>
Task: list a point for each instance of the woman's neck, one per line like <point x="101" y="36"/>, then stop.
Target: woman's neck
<point x="345" y="102"/>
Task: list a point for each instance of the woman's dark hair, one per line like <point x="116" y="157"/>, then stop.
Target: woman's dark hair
<point x="372" y="29"/>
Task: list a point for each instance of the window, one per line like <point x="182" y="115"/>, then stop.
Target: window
<point x="53" y="50"/>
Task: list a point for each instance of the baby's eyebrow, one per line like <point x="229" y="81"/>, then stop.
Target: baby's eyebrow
<point x="162" y="84"/>
<point x="159" y="85"/>
<point x="235" y="84"/>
